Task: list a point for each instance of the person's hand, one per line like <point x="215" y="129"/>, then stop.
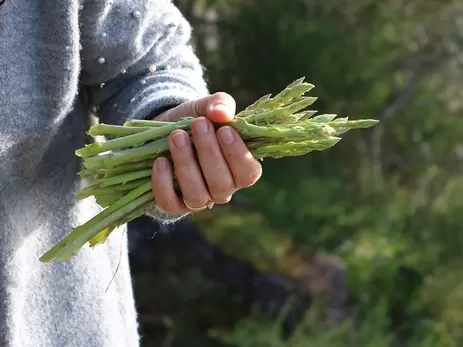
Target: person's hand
<point x="224" y="163"/>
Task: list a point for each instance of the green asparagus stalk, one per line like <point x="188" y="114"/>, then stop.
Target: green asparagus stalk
<point x="127" y="168"/>
<point x="147" y="123"/>
<point x="81" y="235"/>
<point x="132" y="155"/>
<point x="284" y="131"/>
<point x="121" y="179"/>
<point x="114" y="130"/>
<point x="133" y="140"/>
<point x="292" y="149"/>
<point x="281" y="111"/>
<point x="105" y="200"/>
<point x="123" y="187"/>
<point x="101" y="237"/>
<point x="119" y="169"/>
<point x="293" y="91"/>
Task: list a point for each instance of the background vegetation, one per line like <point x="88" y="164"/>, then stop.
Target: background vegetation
<point x="387" y="203"/>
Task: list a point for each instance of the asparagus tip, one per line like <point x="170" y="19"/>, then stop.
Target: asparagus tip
<point x="296" y="82"/>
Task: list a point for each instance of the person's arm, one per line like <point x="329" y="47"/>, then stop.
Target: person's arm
<point x="137" y="62"/>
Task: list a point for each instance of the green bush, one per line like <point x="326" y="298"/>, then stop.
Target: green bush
<point x="387" y="201"/>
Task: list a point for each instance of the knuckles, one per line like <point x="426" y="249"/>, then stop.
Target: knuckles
<point x="222" y="191"/>
<point x="250" y="177"/>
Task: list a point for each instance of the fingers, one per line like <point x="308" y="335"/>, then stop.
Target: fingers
<point x="224" y="159"/>
<point x="245" y="169"/>
<point x="163" y="188"/>
<point x="215" y="168"/>
<point x="187" y="170"/>
<point x="188" y="175"/>
<point x="219" y="107"/>
<point x="224" y="166"/>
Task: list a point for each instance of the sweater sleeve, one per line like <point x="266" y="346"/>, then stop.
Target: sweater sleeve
<point x="137" y="61"/>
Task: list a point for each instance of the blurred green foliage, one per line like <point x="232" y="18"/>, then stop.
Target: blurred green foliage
<point x="384" y="199"/>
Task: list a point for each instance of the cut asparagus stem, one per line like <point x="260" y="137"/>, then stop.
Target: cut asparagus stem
<point x="80" y="235"/>
<point x="148" y="151"/>
<point x="106" y="165"/>
<point x="105" y="200"/>
<point x="135" y="193"/>
<point x="102" y="236"/>
<point x="89" y="191"/>
<point x="99" y="172"/>
<point x="88" y="172"/>
<point x="132" y="140"/>
<point x="139" y="211"/>
<point x="114" y="130"/>
<point x="121" y="179"/>
<point x="128" y="168"/>
<point x="149" y="123"/>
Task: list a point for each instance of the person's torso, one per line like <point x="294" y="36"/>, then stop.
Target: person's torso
<point x="42" y="122"/>
<point x="42" y="117"/>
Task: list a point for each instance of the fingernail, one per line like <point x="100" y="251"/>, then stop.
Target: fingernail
<point x="179" y="139"/>
<point x="201" y="125"/>
<point x="222" y="107"/>
<point x="226" y="135"/>
<point x="161" y="164"/>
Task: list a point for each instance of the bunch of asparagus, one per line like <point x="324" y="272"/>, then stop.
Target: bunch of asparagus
<point x="119" y="169"/>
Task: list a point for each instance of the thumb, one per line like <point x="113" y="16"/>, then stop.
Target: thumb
<point x="219" y="108"/>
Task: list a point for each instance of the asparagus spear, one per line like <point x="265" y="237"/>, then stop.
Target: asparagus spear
<point x="134" y="139"/>
<point x="120" y="168"/>
<point x="82" y="234"/>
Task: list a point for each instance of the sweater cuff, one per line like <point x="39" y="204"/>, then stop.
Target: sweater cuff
<point x="162" y="217"/>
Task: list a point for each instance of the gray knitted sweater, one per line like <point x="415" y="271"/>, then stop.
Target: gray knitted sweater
<point x="59" y="59"/>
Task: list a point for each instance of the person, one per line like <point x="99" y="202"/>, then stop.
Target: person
<point x="123" y="59"/>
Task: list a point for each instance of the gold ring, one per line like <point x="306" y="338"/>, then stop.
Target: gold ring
<point x="208" y="205"/>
